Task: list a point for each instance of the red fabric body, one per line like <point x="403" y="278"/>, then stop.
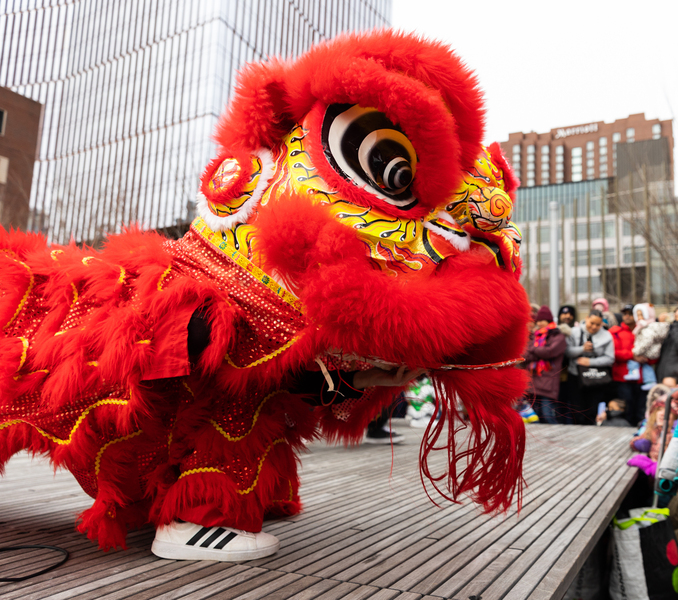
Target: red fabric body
<point x="623" y="350"/>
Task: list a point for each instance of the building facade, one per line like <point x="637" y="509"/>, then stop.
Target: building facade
<point x="580" y="152"/>
<point x="609" y="204"/>
<point x="20" y="120"/>
<point x="132" y="91"/>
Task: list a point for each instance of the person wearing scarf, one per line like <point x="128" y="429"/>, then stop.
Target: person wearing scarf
<point x="544" y="356"/>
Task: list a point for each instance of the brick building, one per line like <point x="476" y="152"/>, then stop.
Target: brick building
<point x="20" y="124"/>
<point x="580" y="152"/>
<point x="607" y="179"/>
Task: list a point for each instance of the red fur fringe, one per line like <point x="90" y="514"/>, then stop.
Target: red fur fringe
<point x="419" y="84"/>
<point x="487" y="465"/>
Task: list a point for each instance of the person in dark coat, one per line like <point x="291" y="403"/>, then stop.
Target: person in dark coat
<point x="567" y="319"/>
<point x="544" y="357"/>
<point x="668" y="358"/>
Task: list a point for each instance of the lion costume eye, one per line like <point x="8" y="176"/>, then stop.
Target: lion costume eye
<point x="364" y="146"/>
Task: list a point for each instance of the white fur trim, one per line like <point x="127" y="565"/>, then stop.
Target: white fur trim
<point x="460" y="243"/>
<point x="224" y="223"/>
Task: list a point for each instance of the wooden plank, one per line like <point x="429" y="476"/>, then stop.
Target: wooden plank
<point x="438" y="565"/>
<point x="316" y="590"/>
<point x="366" y="530"/>
<point x="558" y="579"/>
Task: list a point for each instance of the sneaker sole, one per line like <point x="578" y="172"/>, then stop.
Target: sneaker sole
<point x="182" y="552"/>
<point x="382" y="441"/>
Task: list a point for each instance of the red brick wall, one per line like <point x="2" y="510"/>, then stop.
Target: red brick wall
<point x="20" y="145"/>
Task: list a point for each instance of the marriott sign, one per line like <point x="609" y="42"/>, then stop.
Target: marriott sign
<point x="566" y="132"/>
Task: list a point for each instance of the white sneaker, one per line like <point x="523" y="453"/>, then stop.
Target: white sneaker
<point x="188" y="541"/>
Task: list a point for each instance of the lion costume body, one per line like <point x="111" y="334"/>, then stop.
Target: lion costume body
<point x="351" y="219"/>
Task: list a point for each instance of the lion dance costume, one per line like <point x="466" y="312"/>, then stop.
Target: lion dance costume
<point x="351" y="219"/>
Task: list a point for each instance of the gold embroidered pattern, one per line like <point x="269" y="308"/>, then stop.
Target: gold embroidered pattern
<point x="81" y="418"/>
<point x="97" y="461"/>
<point x="254" y="419"/>
<point x="163" y="276"/>
<point x="256" y="479"/>
<point x="218" y="241"/>
<point x="31" y="282"/>
<point x="265" y="358"/>
<point x="24" y="353"/>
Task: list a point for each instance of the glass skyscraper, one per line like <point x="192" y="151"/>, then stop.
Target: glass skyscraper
<point x="132" y="90"/>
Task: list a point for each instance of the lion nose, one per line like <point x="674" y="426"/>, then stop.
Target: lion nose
<point x="489" y="209"/>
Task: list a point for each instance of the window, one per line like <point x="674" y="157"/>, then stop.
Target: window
<point x="3" y="120"/>
<point x="576" y="155"/>
<point x="580" y="233"/>
<point x="590" y="162"/>
<point x="515" y="160"/>
<point x="530" y="166"/>
<point x="583" y="285"/>
<point x="545" y="165"/>
<point x="4" y="169"/>
<point x="630" y="135"/>
<point x="626" y="228"/>
<point x="616" y="138"/>
<point x="544" y="233"/>
<point x="560" y="168"/>
<point x="602" y="157"/>
<point x="609" y="229"/>
<point x="656" y="131"/>
<point x="640" y="254"/>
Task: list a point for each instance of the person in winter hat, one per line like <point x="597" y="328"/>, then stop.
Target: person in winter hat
<point x="609" y="320"/>
<point x="627" y="384"/>
<point x="649" y="337"/>
<point x="567" y="315"/>
<point x="544" y="356"/>
<point x="567" y="319"/>
<point x="591" y="345"/>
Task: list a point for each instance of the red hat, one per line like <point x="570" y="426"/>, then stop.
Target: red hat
<point x="544" y="314"/>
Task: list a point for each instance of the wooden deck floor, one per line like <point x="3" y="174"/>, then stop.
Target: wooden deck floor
<point x="366" y="532"/>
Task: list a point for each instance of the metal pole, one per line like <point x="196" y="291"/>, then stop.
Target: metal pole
<point x="633" y="240"/>
<point x="554" y="282"/>
<point x="618" y="246"/>
<point x="588" y="246"/>
<point x="539" y="261"/>
<point x="603" y="271"/>
<point x="562" y="254"/>
<point x="575" y="237"/>
<point x="648" y="256"/>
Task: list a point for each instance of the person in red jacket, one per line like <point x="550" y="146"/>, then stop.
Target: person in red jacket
<point x="627" y="390"/>
<point x="544" y="357"/>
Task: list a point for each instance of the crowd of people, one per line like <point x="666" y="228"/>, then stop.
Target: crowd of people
<point x="603" y="369"/>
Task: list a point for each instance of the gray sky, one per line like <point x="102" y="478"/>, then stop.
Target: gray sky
<point x="550" y="63"/>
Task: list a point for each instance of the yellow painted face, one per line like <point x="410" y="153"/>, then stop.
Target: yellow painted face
<point x="398" y="245"/>
<point x="476" y="216"/>
<point x="482" y="208"/>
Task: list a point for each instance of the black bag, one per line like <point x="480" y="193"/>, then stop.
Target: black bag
<point x="593" y="376"/>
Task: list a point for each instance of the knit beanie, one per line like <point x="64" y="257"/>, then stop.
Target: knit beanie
<point x="605" y="303"/>
<point x="544" y="314"/>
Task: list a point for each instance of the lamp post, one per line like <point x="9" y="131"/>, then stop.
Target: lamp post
<point x="554" y="279"/>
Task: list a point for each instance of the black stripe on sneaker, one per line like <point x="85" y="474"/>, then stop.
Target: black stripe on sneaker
<point x="225" y="541"/>
<point x="204" y="531"/>
<point x="213" y="537"/>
